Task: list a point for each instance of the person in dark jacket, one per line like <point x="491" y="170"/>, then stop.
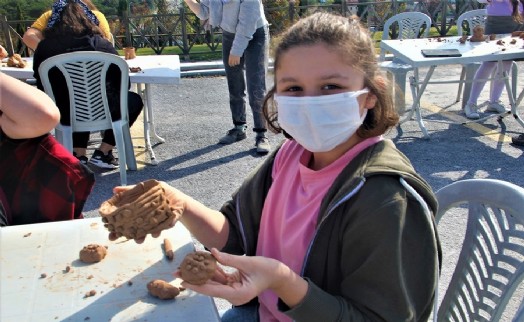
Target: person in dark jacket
<point x="336" y="224"/>
<point x="73" y="27"/>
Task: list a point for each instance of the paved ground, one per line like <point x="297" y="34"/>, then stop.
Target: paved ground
<point x="193" y="115"/>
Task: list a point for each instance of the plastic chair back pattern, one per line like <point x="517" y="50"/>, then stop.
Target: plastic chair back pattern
<point x="85" y="74"/>
<point x="491" y="262"/>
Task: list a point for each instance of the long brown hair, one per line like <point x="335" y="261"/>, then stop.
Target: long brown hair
<point x="73" y="21"/>
<point x="517" y="16"/>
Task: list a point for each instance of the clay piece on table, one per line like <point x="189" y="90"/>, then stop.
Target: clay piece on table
<point x="162" y="289"/>
<point x="478" y="34"/>
<point x="16" y="61"/>
<point x="463" y="39"/>
<point x="141" y="210"/>
<point x="198" y="267"/>
<point x="93" y="253"/>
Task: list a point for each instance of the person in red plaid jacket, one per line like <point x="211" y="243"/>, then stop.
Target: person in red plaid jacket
<point x="40" y="180"/>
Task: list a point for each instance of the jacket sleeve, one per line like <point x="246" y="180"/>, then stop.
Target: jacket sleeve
<point x="248" y="16"/>
<point x="388" y="261"/>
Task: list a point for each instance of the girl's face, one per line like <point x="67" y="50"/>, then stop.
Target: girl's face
<point x="315" y="70"/>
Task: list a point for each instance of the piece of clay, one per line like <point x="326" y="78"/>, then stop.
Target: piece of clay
<point x="168" y="247"/>
<point x="162" y="289"/>
<point x="92" y="253"/>
<point x="198" y="267"/>
<point x="478" y="34"/>
<point x="135" y="69"/>
<point x="16" y="61"/>
<point x="141" y="210"/>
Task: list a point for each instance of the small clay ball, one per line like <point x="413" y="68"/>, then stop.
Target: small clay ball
<point x="92" y="253"/>
<point x="198" y="267"/>
<point x="162" y="289"/>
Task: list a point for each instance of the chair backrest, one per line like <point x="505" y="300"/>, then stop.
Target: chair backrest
<point x="410" y="25"/>
<point x="85" y="74"/>
<point x="490" y="266"/>
<point x="473" y="18"/>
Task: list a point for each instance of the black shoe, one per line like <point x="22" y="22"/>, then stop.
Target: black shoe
<point x="262" y="144"/>
<point x="83" y="159"/>
<point x="518" y="140"/>
<point x="106" y="161"/>
<point x="233" y="135"/>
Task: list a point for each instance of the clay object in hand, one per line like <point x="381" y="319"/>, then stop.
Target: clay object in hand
<point x="162" y="289"/>
<point x="92" y="253"/>
<point x="141" y="210"/>
<point x="198" y="267"/>
<point x="16" y="61"/>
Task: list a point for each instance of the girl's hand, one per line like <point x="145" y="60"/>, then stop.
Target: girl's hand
<point x="254" y="274"/>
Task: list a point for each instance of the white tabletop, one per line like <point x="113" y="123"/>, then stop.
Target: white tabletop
<point x="27" y="251"/>
<point x="409" y="50"/>
<point x="156" y="69"/>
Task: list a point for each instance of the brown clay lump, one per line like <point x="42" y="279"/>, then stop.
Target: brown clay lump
<point x="162" y="289"/>
<point x="141" y="210"/>
<point x="198" y="267"/>
<point x="92" y="253"/>
<point x="16" y="61"/>
<point x="478" y="34"/>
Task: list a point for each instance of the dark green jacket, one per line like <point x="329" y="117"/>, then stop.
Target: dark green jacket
<point x="375" y="250"/>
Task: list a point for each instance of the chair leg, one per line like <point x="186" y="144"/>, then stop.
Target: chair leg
<point x="120" y="145"/>
<point x="129" y="150"/>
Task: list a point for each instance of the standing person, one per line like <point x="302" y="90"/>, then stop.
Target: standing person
<point x="504" y="16"/>
<point x="336" y="224"/>
<point x="34" y="34"/>
<point x="245" y="39"/>
<point x="73" y="28"/>
<point x="40" y="181"/>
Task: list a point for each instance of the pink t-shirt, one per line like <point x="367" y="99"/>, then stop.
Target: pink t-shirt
<point x="291" y="209"/>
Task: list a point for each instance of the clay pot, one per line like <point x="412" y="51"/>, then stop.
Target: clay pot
<point x="129" y="53"/>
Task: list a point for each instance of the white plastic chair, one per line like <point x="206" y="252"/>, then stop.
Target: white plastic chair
<point x="85" y="74"/>
<point x="490" y="265"/>
<point x="409" y="26"/>
<point x="475" y="18"/>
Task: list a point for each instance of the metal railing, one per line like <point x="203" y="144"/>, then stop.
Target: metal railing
<point x="184" y="30"/>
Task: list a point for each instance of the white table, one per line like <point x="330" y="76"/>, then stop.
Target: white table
<point x="409" y="51"/>
<point x="119" y="280"/>
<point x="156" y="69"/>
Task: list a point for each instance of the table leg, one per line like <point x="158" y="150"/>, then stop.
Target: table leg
<point x="514" y="103"/>
<point x="417" y="94"/>
<point x="151" y="117"/>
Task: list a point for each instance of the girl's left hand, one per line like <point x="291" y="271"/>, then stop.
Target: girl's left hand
<point x="254" y="274"/>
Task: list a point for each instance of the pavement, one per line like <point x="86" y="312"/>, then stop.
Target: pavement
<point x="192" y="116"/>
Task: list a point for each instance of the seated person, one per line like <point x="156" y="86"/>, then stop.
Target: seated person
<point x="40" y="180"/>
<point x="34" y="34"/>
<point x="74" y="28"/>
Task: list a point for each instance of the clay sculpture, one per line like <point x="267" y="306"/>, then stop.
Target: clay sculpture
<point x="16" y="61"/>
<point x="141" y="210"/>
<point x="478" y="34"/>
<point x="93" y="253"/>
<point x="162" y="289"/>
<point x="198" y="267"/>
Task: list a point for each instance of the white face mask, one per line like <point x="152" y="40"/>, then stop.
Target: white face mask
<point x="320" y="123"/>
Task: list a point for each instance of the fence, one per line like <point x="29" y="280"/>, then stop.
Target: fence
<point x="184" y="30"/>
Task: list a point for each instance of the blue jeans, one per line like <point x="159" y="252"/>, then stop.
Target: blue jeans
<point x="254" y="63"/>
<point x="246" y="313"/>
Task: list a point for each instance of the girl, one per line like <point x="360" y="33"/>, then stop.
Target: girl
<point x="504" y="17"/>
<point x="336" y="225"/>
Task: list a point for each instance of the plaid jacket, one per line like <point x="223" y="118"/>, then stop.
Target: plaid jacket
<point x="41" y="181"/>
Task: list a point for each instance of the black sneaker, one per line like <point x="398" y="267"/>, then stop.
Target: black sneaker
<point x="83" y="159"/>
<point x="106" y="161"/>
<point x="233" y="135"/>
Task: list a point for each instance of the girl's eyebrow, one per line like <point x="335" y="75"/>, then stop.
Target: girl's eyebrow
<point x="325" y="77"/>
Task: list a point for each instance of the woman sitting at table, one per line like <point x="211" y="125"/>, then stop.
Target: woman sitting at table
<point x="74" y="27"/>
<point x="40" y="180"/>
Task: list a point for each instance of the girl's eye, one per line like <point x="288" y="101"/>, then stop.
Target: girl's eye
<point x="293" y="89"/>
<point x="330" y="87"/>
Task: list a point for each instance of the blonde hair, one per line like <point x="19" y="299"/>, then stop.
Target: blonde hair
<point x="356" y="47"/>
